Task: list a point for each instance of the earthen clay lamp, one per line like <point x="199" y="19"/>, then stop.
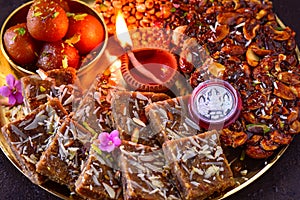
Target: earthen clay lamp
<point x="161" y="63"/>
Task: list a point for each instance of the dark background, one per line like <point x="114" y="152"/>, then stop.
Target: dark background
<point x="281" y="182"/>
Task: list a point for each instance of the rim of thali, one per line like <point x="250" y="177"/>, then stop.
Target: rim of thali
<point x="257" y="173"/>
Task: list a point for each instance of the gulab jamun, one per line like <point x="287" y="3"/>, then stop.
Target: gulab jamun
<point x="47" y="21"/>
<point x="20" y="46"/>
<point x="86" y="30"/>
<point x="57" y="55"/>
<point x="64" y="4"/>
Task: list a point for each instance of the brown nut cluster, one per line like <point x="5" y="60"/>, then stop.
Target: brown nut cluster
<point x="151" y="37"/>
<point x="258" y="57"/>
<point x="137" y="13"/>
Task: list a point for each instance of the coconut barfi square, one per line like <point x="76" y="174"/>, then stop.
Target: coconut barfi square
<point x="128" y="111"/>
<point x="94" y="111"/>
<point x="100" y="178"/>
<point x="170" y="119"/>
<point x="65" y="157"/>
<point x="59" y="83"/>
<point x="30" y="136"/>
<point x="198" y="165"/>
<point x="36" y="91"/>
<point x="144" y="173"/>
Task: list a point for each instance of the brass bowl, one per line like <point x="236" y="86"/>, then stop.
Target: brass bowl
<point x="19" y="16"/>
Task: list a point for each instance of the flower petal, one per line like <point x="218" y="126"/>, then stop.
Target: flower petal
<point x="117" y="142"/>
<point x="113" y="134"/>
<point x="18" y="85"/>
<point x="5" y="91"/>
<point x="11" y="100"/>
<point x="103" y="138"/>
<point x="19" y="97"/>
<point x="108" y="142"/>
<point x="10" y="80"/>
<point x="108" y="147"/>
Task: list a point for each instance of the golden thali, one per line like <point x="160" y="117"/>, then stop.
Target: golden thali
<point x="246" y="167"/>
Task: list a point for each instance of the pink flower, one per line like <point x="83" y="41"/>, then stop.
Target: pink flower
<point x="108" y="142"/>
<point x="176" y="5"/>
<point x="13" y="90"/>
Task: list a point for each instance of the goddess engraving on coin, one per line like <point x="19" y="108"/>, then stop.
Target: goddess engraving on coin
<point x="215" y="103"/>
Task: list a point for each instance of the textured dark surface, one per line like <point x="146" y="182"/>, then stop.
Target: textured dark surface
<point x="281" y="182"/>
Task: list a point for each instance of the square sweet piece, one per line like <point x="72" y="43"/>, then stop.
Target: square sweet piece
<point x="64" y="76"/>
<point x="36" y="91"/>
<point x="63" y="160"/>
<point x="69" y="95"/>
<point x="30" y="136"/>
<point x="144" y="173"/>
<point x="128" y="111"/>
<point x="100" y="178"/>
<point x="199" y="166"/>
<point x="94" y="111"/>
<point x="60" y="83"/>
<point x="170" y="119"/>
